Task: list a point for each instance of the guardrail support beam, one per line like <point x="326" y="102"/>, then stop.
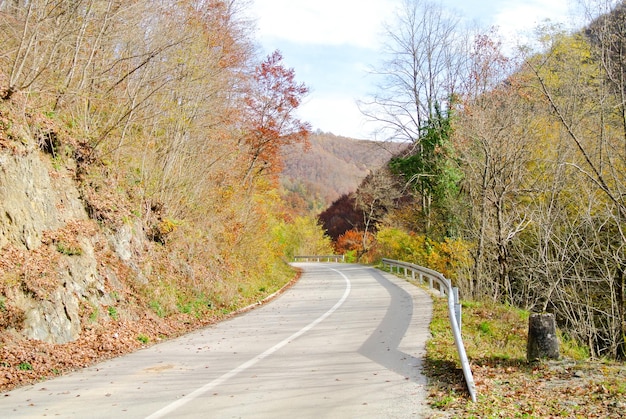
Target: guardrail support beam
<point x="457" y="306"/>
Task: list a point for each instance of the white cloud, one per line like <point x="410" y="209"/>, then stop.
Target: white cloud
<point x="330" y="43"/>
<point x="335" y="113"/>
<point x="328" y="22"/>
<point x="517" y="20"/>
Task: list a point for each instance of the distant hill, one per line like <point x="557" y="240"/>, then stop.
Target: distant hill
<point x="333" y="166"/>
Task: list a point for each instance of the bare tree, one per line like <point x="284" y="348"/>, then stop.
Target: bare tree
<point x="376" y="196"/>
<point x="498" y="132"/>
<point x="425" y="58"/>
<point x="581" y="78"/>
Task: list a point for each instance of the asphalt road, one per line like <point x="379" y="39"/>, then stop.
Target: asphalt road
<point x="345" y="342"/>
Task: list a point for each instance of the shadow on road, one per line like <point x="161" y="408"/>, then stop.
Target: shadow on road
<point x="382" y="346"/>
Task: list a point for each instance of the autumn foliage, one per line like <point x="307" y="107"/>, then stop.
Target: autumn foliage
<point x="355" y="244"/>
<point x="269" y="113"/>
<point x="167" y="131"/>
<point x="341" y="216"/>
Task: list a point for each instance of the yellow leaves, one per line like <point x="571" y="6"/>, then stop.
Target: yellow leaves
<point x="167" y="226"/>
<point x="448" y="257"/>
<point x="302" y="236"/>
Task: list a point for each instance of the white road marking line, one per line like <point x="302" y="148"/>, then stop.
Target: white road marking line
<point x="209" y="386"/>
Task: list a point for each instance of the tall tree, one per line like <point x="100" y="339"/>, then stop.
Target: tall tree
<point x="582" y="80"/>
<point x="270" y="115"/>
<point x="424" y="62"/>
<point x="432" y="173"/>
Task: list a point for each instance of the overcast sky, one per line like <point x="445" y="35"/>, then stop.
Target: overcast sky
<point x="332" y="44"/>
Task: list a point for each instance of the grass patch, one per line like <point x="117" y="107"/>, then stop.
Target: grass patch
<point x="68" y="250"/>
<point x="485" y="328"/>
<point x="157" y="307"/>
<point x="197" y="307"/>
<point x="113" y="313"/>
<point x="495" y="339"/>
<point x="25" y="366"/>
<point x="93" y="316"/>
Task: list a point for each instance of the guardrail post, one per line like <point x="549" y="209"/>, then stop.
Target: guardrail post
<point x="457" y="306"/>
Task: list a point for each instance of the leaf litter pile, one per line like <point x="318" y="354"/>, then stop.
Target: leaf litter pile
<point x="24" y="361"/>
<point x="507" y="385"/>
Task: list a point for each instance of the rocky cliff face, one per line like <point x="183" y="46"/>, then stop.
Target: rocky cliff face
<point x="52" y="283"/>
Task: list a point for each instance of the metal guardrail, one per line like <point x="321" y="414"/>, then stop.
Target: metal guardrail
<point x="320" y="258"/>
<point x="454" y="310"/>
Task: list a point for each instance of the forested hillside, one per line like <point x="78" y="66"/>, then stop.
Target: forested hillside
<point x="514" y="185"/>
<point x="331" y="166"/>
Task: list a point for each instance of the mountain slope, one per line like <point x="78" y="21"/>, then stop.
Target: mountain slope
<point x="333" y="165"/>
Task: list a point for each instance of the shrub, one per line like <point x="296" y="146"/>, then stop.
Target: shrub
<point x="449" y="257"/>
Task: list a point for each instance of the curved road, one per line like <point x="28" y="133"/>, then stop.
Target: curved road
<point x="345" y="342"/>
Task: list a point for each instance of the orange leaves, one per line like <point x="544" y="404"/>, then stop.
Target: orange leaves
<point x="354" y="240"/>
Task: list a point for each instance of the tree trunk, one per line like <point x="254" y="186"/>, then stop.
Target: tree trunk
<point x="621" y="309"/>
<point x="542" y="339"/>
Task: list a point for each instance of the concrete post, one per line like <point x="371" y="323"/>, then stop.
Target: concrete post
<point x="542" y="339"/>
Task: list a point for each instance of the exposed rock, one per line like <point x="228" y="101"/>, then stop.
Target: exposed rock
<point x="121" y="242"/>
<point x="36" y="202"/>
<point x="27" y="201"/>
<point x="55" y="320"/>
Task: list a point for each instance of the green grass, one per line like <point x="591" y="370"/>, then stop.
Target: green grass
<point x="491" y="333"/>
<point x="485" y="328"/>
<point x="197" y="307"/>
<point x="25" y="366"/>
<point x="158" y="308"/>
<point x="495" y="338"/>
<point x="572" y="349"/>
<point x="68" y="250"/>
<point x="93" y="316"/>
<point x="113" y="313"/>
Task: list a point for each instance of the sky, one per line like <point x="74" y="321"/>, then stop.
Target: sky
<point x="333" y="44"/>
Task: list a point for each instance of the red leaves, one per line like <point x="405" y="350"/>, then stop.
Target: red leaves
<point x="270" y="107"/>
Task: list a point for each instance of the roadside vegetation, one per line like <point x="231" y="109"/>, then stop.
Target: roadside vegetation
<point x="508" y="386"/>
<point x="513" y="180"/>
<point x="155" y="130"/>
<point x="167" y="128"/>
